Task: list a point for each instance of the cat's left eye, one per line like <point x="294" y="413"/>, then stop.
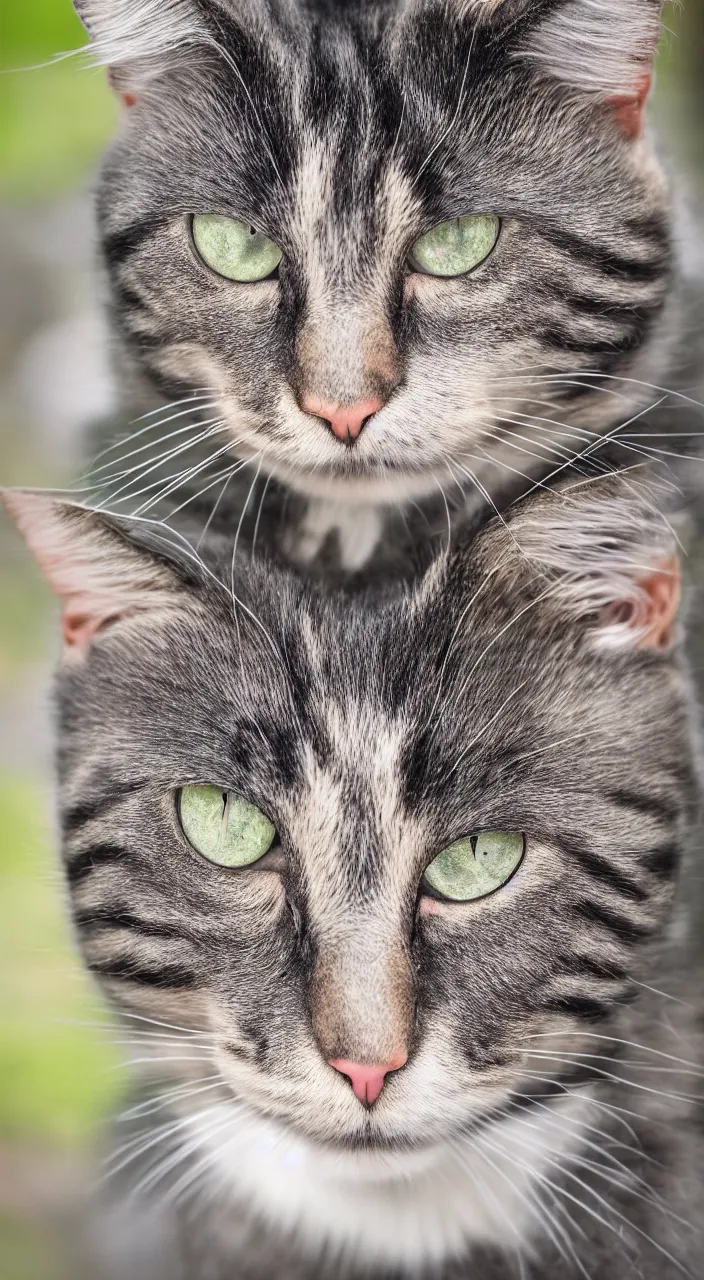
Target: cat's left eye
<point x="223" y="826"/>
<point x="234" y="249"/>
<point x="475" y="866"/>
<point x="453" y="248"/>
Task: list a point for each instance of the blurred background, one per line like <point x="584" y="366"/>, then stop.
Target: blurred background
<point x="58" y="1074"/>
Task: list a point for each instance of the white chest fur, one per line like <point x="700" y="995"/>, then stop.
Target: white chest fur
<point x="358" y="528"/>
<point x="404" y="1209"/>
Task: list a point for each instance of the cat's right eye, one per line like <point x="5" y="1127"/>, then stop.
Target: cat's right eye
<point x="475" y="866"/>
<point x="234" y="249"/>
<point x="456" y="247"/>
<point x="223" y="826"/>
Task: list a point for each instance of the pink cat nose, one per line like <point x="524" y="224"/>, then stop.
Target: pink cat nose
<point x="368" y="1082"/>
<point x="345" y="421"/>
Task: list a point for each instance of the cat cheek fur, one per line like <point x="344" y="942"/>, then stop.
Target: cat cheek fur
<point x="501" y="710"/>
<point x="581" y="278"/>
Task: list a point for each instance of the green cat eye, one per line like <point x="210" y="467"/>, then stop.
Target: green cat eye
<point x="476" y="866"/>
<point x="223" y="827"/>
<point x="453" y="248"/>
<point x="234" y="249"/>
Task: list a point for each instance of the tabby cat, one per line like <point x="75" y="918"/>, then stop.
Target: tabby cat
<point x="389" y="251"/>
<point x="382" y="888"/>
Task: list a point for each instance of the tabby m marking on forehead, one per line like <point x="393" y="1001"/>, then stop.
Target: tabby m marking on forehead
<point x="398" y="247"/>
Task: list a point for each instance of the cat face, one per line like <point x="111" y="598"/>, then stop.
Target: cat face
<point x="386" y="243"/>
<point x="259" y="789"/>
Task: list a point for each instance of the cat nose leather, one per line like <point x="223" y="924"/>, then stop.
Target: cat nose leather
<point x="367" y="1081"/>
<point x="345" y="421"/>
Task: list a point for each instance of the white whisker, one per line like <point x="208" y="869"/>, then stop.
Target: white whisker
<point x="485" y="727"/>
<point x="140" y="471"/>
<point x="152" y="444"/>
<point x="630" y="1044"/>
<point x="456" y="116"/>
<point x="259" y="513"/>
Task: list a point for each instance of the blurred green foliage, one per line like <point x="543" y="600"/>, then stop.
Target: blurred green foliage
<point x="22" y="624"/>
<point x="37" y="29"/>
<point x="25" y="1255"/>
<point x="55" y="118"/>
<point x="56" y="1074"/>
<point x="55" y="1077"/>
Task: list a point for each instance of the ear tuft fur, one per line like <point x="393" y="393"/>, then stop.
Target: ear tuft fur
<point x="605" y="47"/>
<point x="126" y="33"/>
<point x="604" y="553"/>
<point x="98" y="575"/>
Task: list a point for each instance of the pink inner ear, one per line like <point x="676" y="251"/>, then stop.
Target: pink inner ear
<point x="127" y="98"/>
<point x="663" y="590"/>
<point x="652" y="615"/>
<point x="629" y="110"/>
<point x="80" y="628"/>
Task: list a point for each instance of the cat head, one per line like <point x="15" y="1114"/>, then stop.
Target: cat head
<point x="381" y="855"/>
<point x="383" y="243"/>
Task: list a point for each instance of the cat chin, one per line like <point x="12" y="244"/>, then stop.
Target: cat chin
<point x="374" y="484"/>
<point x="247" y="1134"/>
<point x="406" y="1209"/>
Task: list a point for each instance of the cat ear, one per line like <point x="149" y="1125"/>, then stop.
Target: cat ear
<point x="650" y="617"/>
<point x="604" y="47"/>
<point x="133" y="38"/>
<point x="602" y="553"/>
<point x="98" y="573"/>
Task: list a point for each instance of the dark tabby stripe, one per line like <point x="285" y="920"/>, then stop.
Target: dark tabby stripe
<point x="627" y="931"/>
<point x="129" y="298"/>
<point x="567" y="1077"/>
<point x="566" y="1081"/>
<point x="98" y="919"/>
<point x="663" y="862"/>
<point x="605" y="872"/>
<point x="605" y="260"/>
<point x="579" y="965"/>
<point x="649" y="805"/>
<point x="168" y="975"/>
<point x="652" y="226"/>
<point x="75" y="817"/>
<point x="634" y="323"/>
<point x="612" y="347"/>
<point x="84" y="863"/>
<point x="119" y="245"/>
<point x="622" y="312"/>
<point x="585" y="1008"/>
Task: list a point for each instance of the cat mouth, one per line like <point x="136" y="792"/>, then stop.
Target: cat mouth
<point x="371" y="1143"/>
<point x="360" y="479"/>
